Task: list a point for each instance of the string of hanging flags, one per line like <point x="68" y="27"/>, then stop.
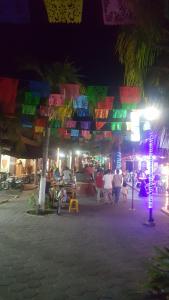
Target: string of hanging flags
<point x="38" y="104"/>
<point x="114" y="12"/>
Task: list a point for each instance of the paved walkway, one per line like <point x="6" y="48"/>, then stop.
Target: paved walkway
<point x="100" y="254"/>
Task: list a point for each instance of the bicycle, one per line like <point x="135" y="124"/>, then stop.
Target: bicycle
<point x="59" y="198"/>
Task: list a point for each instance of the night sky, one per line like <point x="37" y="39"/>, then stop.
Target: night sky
<point x="89" y="45"/>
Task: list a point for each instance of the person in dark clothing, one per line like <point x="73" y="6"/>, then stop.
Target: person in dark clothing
<point x="143" y="192"/>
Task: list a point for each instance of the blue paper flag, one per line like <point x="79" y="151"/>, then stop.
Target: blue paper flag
<point x="74" y="132"/>
<point x="40" y="87"/>
<point x="80" y="102"/>
<point x="14" y="11"/>
<point x="26" y="122"/>
<point x="82" y="112"/>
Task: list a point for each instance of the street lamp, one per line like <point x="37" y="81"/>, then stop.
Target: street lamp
<point x="150" y="114"/>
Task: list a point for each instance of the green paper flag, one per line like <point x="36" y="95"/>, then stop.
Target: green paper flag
<point x="28" y="109"/>
<point x="129" y="106"/>
<point x="53" y="131"/>
<point x="96" y="93"/>
<point x="119" y="113"/>
<point x="55" y="124"/>
<point x="116" y="126"/>
<point x="32" y="98"/>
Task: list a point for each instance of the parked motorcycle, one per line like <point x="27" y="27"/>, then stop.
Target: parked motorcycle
<point x="13" y="182"/>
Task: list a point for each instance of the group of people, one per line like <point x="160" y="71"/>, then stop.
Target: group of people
<point x="109" y="186"/>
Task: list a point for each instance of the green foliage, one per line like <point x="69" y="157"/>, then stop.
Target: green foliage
<point x="54" y="73"/>
<point x="159" y="275"/>
<point x="32" y="201"/>
<point x="137" y="52"/>
<point x="48" y="204"/>
<point x="137" y="45"/>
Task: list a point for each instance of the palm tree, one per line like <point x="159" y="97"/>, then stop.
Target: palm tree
<point x="54" y="74"/>
<point x="137" y="44"/>
<point x="143" y="49"/>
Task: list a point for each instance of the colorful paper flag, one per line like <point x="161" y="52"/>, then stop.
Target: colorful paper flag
<point x="53" y="131"/>
<point x="117" y="12"/>
<point x="129" y="106"/>
<point x="86" y="134"/>
<point x="41" y="122"/>
<point x="64" y="11"/>
<point x="39" y="129"/>
<point x="80" y="102"/>
<point x="107" y="103"/>
<point x="96" y="93"/>
<point x="32" y="98"/>
<point x="56" y="100"/>
<point x="44" y="111"/>
<point x="85" y="125"/>
<point x="69" y="90"/>
<point x="61" y="132"/>
<point x="101" y="113"/>
<point x="28" y="109"/>
<point x="14" y="11"/>
<point x="107" y="134"/>
<point x="116" y="126"/>
<point x="82" y="90"/>
<point x="26" y="122"/>
<point x="129" y="94"/>
<point x="98" y="136"/>
<point x="8" y="92"/>
<point x="40" y="87"/>
<point x="71" y="124"/>
<point x="74" y="132"/>
<point x="55" y="123"/>
<point x="100" y="125"/>
<point x="67" y="135"/>
<point x="82" y="112"/>
<point x="119" y="114"/>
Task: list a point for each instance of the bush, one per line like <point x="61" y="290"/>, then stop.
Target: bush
<point x="32" y="201"/>
<point x="158" y="272"/>
<point x="48" y="204"/>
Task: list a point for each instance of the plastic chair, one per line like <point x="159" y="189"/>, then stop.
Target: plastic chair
<point x="74" y="205"/>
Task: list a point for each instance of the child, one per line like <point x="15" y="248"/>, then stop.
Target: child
<point x="124" y="191"/>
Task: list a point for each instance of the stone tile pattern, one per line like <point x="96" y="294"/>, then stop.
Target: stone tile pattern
<point x="99" y="254"/>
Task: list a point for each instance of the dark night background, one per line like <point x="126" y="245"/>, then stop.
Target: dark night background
<point x="90" y="45"/>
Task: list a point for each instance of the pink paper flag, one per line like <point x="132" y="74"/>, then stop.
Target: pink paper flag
<point x="116" y="12"/>
<point x="70" y="124"/>
<point x="56" y="100"/>
<point x="86" y="134"/>
<point x="70" y="90"/>
<point x="44" y="111"/>
<point x="108" y="134"/>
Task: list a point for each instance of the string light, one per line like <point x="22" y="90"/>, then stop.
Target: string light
<point x="150" y="202"/>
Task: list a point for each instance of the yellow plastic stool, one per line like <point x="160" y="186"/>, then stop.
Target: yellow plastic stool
<point x="74" y="205"/>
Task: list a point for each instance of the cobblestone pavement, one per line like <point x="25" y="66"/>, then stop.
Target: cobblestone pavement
<point x="100" y="254"/>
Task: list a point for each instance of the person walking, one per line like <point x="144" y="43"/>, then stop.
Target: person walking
<point x="99" y="185"/>
<point x="124" y="191"/>
<point x="117" y="183"/>
<point x="108" y="180"/>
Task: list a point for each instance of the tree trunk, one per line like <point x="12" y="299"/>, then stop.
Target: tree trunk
<point x="0" y="158"/>
<point x="36" y="169"/>
<point x="41" y="199"/>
